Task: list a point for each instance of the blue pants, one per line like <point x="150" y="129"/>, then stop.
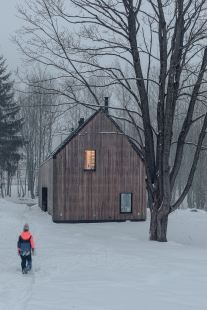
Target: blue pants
<point x="26" y="262"/>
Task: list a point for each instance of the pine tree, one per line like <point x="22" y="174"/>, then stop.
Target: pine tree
<point x="10" y="124"/>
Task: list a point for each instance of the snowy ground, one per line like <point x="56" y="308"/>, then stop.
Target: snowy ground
<point x="107" y="266"/>
<point x="21" y="200"/>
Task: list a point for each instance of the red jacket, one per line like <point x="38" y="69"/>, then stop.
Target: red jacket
<point x="25" y="242"/>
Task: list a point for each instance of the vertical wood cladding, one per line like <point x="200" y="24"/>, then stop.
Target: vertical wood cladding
<point x="46" y="180"/>
<point x="95" y="195"/>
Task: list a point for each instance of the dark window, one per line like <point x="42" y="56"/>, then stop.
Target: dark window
<point x="126" y="203"/>
<point x="90" y="160"/>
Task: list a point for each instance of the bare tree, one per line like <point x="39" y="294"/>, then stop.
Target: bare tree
<point x="169" y="35"/>
<point x="40" y="112"/>
<point x="196" y="197"/>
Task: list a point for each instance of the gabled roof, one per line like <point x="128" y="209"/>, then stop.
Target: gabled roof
<point x="79" y="128"/>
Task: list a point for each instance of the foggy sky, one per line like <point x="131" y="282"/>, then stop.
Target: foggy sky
<point x="8" y="24"/>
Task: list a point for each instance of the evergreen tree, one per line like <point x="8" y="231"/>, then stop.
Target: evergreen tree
<point x="10" y="123"/>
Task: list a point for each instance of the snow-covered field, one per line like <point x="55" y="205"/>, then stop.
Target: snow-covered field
<point x="106" y="266"/>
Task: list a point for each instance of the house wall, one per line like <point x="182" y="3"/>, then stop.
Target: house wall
<point x="95" y="195"/>
<point x="46" y="180"/>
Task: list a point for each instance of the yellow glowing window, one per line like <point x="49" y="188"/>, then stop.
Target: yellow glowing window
<point x="89" y="160"/>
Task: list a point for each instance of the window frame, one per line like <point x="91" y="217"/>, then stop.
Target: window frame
<point x="94" y="162"/>
<point x="120" y="200"/>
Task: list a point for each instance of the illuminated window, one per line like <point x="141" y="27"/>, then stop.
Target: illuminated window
<point x="89" y="160"/>
<point x="125" y="203"/>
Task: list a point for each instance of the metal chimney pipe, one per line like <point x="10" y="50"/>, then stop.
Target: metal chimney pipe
<point x="81" y="121"/>
<point x="106" y="104"/>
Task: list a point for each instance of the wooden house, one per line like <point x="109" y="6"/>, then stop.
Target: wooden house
<point x="95" y="175"/>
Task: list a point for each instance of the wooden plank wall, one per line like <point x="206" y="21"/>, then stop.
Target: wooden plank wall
<point x="95" y="195"/>
<point x="46" y="180"/>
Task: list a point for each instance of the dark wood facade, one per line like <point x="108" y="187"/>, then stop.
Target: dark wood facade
<point x="77" y="195"/>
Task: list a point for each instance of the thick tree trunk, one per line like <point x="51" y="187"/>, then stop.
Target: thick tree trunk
<point x="162" y="220"/>
<point x="159" y="218"/>
<point x="153" y="224"/>
<point x="158" y="225"/>
<point x="154" y="206"/>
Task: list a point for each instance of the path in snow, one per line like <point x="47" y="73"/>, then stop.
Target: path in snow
<point x="106" y="266"/>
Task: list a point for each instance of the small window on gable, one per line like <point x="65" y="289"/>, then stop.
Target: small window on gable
<point x="90" y="160"/>
<point x="126" y="203"/>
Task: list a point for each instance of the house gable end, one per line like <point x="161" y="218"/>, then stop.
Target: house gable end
<point x="114" y="128"/>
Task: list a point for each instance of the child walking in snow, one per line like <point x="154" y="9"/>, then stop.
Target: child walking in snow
<point x="25" y="247"/>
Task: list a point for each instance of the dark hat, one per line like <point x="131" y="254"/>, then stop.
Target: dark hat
<point x="26" y="227"/>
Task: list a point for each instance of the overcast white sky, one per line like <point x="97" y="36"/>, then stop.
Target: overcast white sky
<point x="8" y="24"/>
